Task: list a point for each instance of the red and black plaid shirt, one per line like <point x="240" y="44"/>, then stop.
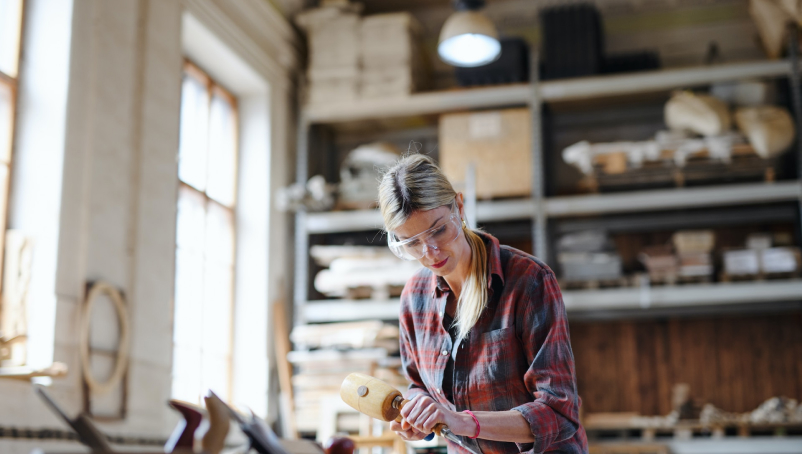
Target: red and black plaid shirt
<point x="517" y="356"/>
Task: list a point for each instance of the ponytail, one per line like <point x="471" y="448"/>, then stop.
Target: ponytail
<point x="473" y="299"/>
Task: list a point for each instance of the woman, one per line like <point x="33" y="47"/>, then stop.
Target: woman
<point x="484" y="336"/>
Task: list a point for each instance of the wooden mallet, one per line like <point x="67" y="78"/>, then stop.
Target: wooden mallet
<point x="377" y="399"/>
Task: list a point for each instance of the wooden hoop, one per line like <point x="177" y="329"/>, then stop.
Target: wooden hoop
<point x="121" y="365"/>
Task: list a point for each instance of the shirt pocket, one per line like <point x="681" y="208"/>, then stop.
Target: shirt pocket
<point x="492" y="381"/>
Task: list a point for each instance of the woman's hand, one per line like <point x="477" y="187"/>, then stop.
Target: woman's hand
<point x="423" y="413"/>
<point x="406" y="431"/>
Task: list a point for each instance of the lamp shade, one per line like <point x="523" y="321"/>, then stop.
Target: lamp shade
<point x="468" y="38"/>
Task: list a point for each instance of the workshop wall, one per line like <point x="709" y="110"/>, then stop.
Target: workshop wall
<point x="118" y="205"/>
<point x="734" y="362"/>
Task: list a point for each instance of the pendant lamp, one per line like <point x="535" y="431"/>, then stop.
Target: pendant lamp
<point x="468" y="37"/>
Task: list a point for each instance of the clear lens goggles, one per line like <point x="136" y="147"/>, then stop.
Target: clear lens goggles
<point x="416" y="247"/>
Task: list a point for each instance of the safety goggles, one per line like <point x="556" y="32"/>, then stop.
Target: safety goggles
<point x="435" y="238"/>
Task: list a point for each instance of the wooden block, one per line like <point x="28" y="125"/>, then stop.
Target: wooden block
<point x="498" y="142"/>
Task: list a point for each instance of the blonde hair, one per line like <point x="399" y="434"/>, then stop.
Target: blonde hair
<point x="416" y="183"/>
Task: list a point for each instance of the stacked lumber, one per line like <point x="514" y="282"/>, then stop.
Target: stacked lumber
<point x="352" y="57"/>
<point x="334" y="60"/>
<point x="392" y="63"/>
<point x="325" y="354"/>
<point x="361" y="272"/>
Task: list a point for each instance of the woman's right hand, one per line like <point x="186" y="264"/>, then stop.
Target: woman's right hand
<point x="406" y="431"/>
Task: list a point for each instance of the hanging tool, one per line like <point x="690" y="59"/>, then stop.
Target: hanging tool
<point x="379" y="400"/>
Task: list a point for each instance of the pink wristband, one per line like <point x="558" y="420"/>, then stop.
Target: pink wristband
<point x="478" y="427"/>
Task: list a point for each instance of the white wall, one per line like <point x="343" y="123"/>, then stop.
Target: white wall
<point x="108" y="151"/>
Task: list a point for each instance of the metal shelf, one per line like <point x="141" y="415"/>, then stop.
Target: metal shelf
<point x="718" y="294"/>
<point x="650" y="81"/>
<point x="357" y="220"/>
<point x="721" y="295"/>
<point x="421" y="104"/>
<point x="665" y="199"/>
<point x="549" y="91"/>
<point x="555" y="207"/>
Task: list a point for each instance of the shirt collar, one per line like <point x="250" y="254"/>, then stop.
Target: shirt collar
<point x="494" y="265"/>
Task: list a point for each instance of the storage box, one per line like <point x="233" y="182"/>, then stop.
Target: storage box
<point x="498" y="142"/>
<point x="780" y="260"/>
<point x="741" y="262"/>
<point x="588" y="266"/>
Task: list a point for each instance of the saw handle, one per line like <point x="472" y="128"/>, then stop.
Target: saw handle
<point x="437" y="428"/>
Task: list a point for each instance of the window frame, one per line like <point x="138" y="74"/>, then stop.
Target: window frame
<point x="213" y="88"/>
<point x="12" y="83"/>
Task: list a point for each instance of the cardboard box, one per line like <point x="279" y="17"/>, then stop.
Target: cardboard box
<point x="499" y="142"/>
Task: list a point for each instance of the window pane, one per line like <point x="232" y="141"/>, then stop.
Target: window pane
<point x="188" y="298"/>
<point x="10" y="26"/>
<point x="222" y="151"/>
<point x="219" y="234"/>
<point x="216" y="375"/>
<point x="187" y="374"/>
<point x="6" y="122"/>
<point x="193" y="146"/>
<point x="191" y="222"/>
<point x="217" y="308"/>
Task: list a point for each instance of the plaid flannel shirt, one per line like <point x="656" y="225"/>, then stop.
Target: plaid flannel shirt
<point x="517" y="357"/>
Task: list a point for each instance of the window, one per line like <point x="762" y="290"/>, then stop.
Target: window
<point x="205" y="239"/>
<point x="10" y="31"/>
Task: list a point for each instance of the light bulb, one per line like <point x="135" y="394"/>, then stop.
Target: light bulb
<point x="470" y="49"/>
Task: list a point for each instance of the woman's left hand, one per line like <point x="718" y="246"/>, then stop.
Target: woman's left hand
<point x="423" y="413"/>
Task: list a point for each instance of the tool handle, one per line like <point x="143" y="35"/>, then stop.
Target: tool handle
<point x="437" y="428"/>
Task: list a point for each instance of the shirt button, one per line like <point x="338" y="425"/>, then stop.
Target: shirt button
<point x="445" y="352"/>
<point x="439" y="391"/>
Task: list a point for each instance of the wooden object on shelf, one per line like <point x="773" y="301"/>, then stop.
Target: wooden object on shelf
<point x="56" y="370"/>
<point x="771" y="20"/>
<point x="498" y="142"/>
<point x="367" y="334"/>
<point x="661" y="263"/>
<point x="702" y="114"/>
<point x="283" y="348"/>
<point x="693" y="241"/>
<point x="770" y="129"/>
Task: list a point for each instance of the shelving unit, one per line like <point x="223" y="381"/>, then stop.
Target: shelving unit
<point x="580" y="302"/>
<point x="538" y="208"/>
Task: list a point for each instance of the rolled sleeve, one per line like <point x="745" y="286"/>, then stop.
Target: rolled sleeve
<point x="553" y="416"/>
<point x="546" y="426"/>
